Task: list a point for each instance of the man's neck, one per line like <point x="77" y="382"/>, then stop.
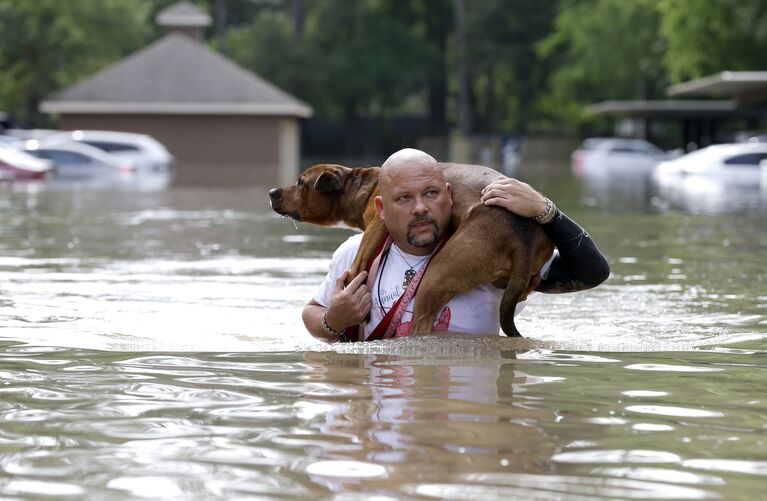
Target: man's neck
<point x="408" y="248"/>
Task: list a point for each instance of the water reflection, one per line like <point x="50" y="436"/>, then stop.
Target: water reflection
<point x="425" y="417"/>
<point x="638" y="191"/>
<point x="153" y="348"/>
<point x="463" y="423"/>
<point x="698" y="194"/>
<point x="625" y="190"/>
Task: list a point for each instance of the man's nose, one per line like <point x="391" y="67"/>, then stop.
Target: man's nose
<point x="420" y="207"/>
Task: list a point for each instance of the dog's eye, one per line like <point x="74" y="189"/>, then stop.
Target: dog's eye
<point x="300" y="182"/>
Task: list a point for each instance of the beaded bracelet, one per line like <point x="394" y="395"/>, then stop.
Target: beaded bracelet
<point x="548" y="214"/>
<point x="329" y="330"/>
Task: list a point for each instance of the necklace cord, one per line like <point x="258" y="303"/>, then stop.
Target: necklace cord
<point x="380" y="276"/>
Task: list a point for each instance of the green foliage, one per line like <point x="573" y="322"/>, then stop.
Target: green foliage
<point x="507" y="74"/>
<point x="353" y="57"/>
<point x="709" y="36"/>
<point x="603" y="49"/>
<point x="48" y="44"/>
<point x="533" y="65"/>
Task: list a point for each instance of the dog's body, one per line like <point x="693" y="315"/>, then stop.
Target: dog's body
<point x="489" y="244"/>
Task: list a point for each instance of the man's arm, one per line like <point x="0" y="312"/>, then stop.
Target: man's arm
<point x="579" y="264"/>
<point x="348" y="306"/>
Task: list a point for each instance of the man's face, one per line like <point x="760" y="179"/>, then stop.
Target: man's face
<point x="415" y="204"/>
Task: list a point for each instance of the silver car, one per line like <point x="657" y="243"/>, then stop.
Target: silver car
<point x="142" y="151"/>
<point x="73" y="160"/>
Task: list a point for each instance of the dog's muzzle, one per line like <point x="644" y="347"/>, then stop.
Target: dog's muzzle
<point x="275" y="200"/>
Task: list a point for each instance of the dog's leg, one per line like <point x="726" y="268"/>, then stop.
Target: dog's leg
<point x="491" y="246"/>
<point x="515" y="289"/>
<point x="476" y="254"/>
<point x="531" y="258"/>
<point x="374" y="232"/>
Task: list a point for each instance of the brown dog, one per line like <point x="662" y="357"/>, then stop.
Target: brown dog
<point x="489" y="244"/>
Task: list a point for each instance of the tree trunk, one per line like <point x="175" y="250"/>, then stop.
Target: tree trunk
<point x="297" y="19"/>
<point x="220" y="10"/>
<point x="436" y="32"/>
<point x="464" y="108"/>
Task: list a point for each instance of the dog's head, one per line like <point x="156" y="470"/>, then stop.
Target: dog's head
<point x="313" y="198"/>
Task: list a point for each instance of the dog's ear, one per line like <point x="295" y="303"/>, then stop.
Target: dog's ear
<point x="329" y="181"/>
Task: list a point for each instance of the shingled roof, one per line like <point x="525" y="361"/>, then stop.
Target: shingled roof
<point x="175" y="75"/>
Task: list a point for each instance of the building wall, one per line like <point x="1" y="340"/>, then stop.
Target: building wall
<point x="212" y="150"/>
<point x="290" y="154"/>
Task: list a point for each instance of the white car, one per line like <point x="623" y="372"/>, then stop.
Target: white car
<point x="616" y="156"/>
<point x="763" y="178"/>
<point x="143" y="151"/>
<point x="73" y="160"/>
<point x="18" y="165"/>
<point x="734" y="164"/>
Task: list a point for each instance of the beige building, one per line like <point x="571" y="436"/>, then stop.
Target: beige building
<point x="224" y="124"/>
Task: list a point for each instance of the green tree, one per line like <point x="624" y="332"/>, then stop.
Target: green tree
<point x="709" y="36"/>
<point x="603" y="49"/>
<point x="507" y="74"/>
<point x="354" y="58"/>
<point x="48" y="44"/>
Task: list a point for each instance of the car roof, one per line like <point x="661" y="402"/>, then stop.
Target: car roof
<point x="76" y="147"/>
<point x="718" y="152"/>
<point x="735" y="148"/>
<point x="101" y="135"/>
<point x="594" y="142"/>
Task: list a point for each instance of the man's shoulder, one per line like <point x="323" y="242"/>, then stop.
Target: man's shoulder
<point x="348" y="246"/>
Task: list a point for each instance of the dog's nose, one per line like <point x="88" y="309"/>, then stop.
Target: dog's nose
<point x="274" y="193"/>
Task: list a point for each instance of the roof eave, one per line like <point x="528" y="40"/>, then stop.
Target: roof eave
<point x="719" y="83"/>
<point x="660" y="105"/>
<point x="103" y="108"/>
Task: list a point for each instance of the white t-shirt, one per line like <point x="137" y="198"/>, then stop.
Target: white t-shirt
<point x="473" y="312"/>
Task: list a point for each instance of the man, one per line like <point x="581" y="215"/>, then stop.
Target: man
<point x="415" y="204"/>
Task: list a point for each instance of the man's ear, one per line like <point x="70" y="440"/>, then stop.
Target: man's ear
<point x="449" y="191"/>
<point x="329" y="181"/>
<point x="378" y="201"/>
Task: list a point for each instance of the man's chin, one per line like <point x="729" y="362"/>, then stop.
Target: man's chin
<point x="422" y="240"/>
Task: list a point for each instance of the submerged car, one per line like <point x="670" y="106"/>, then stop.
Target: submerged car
<point x="142" y="151"/>
<point x="731" y="164"/>
<point x="16" y="165"/>
<point x="615" y="155"/>
<point x="73" y="160"/>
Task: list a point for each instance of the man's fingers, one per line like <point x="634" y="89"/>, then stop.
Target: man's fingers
<point x="493" y="193"/>
<point x="340" y="281"/>
<point x="499" y="184"/>
<point x="360" y="293"/>
<point x="359" y="279"/>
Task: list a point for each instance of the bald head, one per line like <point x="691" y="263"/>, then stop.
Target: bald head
<point x="415" y="202"/>
<point x="407" y="161"/>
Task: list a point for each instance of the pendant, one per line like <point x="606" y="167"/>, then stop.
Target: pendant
<point x="409" y="274"/>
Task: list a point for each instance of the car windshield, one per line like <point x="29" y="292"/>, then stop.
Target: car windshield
<point x="112" y="147"/>
<point x="752" y="159"/>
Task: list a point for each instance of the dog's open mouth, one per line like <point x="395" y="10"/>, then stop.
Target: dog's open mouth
<point x="291" y="214"/>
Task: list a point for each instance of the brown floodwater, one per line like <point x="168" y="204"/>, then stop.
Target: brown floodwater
<point x="151" y="347"/>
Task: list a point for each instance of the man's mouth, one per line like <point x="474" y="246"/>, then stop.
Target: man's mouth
<point x="423" y="223"/>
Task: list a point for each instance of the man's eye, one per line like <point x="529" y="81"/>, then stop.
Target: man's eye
<point x="432" y="193"/>
<point x="403" y="198"/>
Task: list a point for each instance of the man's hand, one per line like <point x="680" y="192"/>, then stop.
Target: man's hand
<point x="514" y="196"/>
<point x="350" y="305"/>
